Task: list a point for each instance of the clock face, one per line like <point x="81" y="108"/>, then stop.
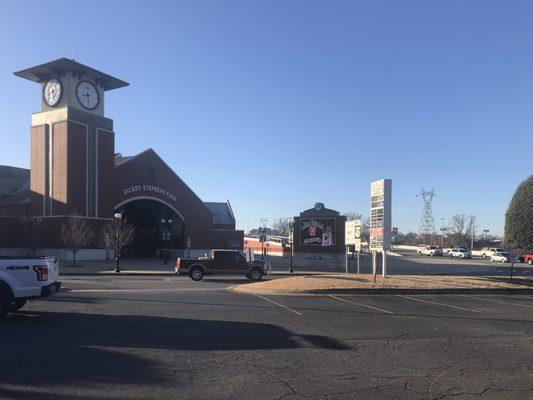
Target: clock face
<point x="52" y="92"/>
<point x="87" y="95"/>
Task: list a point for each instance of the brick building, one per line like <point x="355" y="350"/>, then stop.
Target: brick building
<point x="75" y="170"/>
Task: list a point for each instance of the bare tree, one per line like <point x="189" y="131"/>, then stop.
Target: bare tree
<point x="461" y="228"/>
<point x="282" y="225"/>
<point x="106" y="237"/>
<point x="32" y="232"/>
<point x="118" y="234"/>
<point x="351" y="215"/>
<point x="365" y="229"/>
<point x="76" y="234"/>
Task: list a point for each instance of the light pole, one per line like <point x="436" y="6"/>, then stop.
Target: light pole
<point x="291" y="239"/>
<point x="472" y="237"/>
<point x="166" y="223"/>
<point x="442" y="237"/>
<point x="116" y="225"/>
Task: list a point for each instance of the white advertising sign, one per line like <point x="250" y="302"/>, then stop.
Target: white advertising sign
<point x="353" y="233"/>
<point x="380" y="214"/>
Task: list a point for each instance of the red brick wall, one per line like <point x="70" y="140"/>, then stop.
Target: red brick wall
<point x="198" y="218"/>
<point x="75" y="175"/>
<point x="11" y="233"/>
<point x="37" y="173"/>
<point x="106" y="154"/>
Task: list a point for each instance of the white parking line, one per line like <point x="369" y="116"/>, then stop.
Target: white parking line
<point x="497" y="301"/>
<point x="360" y="304"/>
<point x="438" y="303"/>
<point x="280" y="305"/>
<point x="144" y="290"/>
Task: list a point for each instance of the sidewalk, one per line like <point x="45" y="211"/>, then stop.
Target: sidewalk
<point x="150" y="267"/>
<point x="145" y="266"/>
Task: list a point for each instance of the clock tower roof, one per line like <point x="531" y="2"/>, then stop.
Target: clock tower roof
<point x="57" y="68"/>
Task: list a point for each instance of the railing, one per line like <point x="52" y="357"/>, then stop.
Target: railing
<point x="269" y="238"/>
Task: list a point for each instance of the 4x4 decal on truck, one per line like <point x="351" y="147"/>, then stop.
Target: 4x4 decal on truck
<point x="18" y="267"/>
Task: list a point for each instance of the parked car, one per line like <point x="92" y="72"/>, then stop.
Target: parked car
<point x="460" y="252"/>
<point x="26" y="278"/>
<point x="430" y="251"/>
<point x="500" y="256"/>
<point x="222" y="262"/>
<point x="528" y="258"/>
<point x="486" y="252"/>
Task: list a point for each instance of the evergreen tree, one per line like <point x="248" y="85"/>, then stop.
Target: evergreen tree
<point x="519" y="218"/>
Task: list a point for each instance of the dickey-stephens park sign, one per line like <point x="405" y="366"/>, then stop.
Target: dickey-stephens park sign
<point x="149" y="188"/>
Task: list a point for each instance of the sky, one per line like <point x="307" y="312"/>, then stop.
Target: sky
<point x="277" y="105"/>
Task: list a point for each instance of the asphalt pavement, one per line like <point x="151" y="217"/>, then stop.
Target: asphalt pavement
<point x="171" y="338"/>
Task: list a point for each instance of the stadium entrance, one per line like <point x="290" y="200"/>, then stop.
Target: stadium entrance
<point x="158" y="227"/>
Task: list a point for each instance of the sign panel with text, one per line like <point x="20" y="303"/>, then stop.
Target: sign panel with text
<point x="353" y="233"/>
<point x="380" y="214"/>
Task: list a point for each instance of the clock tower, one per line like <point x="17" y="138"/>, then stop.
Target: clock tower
<point x="72" y="142"/>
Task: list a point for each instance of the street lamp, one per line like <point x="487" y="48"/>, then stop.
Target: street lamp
<point x="442" y="237"/>
<point x="116" y="225"/>
<point x="291" y="239"/>
<point x="166" y="223"/>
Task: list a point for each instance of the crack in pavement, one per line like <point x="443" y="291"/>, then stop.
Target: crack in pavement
<point x="278" y="378"/>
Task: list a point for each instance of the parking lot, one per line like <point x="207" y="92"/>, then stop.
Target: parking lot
<point x="410" y="263"/>
<point x="169" y="337"/>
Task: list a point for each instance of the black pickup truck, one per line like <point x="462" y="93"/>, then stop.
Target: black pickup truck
<point x="222" y="262"/>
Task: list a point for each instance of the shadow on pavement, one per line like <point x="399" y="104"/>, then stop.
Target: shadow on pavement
<point x="42" y="349"/>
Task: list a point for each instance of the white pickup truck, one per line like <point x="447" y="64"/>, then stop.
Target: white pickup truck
<point x="26" y="278"/>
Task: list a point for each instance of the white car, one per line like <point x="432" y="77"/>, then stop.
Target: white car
<point x="500" y="256"/>
<point x="460" y="252"/>
<point x="26" y="278"/>
<point x="487" y="252"/>
<point x="430" y="251"/>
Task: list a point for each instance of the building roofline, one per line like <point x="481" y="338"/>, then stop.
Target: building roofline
<point x="57" y="68"/>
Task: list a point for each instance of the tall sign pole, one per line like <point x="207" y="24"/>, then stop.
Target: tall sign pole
<point x="380" y="221"/>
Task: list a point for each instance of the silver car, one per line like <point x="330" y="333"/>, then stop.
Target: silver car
<point x="500" y="256"/>
<point x="460" y="252"/>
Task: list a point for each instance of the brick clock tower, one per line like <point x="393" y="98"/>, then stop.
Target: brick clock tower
<point x="72" y="143"/>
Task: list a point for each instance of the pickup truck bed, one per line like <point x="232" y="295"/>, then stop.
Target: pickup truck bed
<point x="25" y="278"/>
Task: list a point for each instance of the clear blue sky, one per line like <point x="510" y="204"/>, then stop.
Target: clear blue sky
<point x="276" y="105"/>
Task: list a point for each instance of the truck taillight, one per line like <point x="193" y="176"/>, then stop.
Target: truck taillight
<point x="178" y="263"/>
<point x="42" y="272"/>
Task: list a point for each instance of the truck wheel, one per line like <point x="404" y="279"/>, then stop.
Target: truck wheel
<point x="196" y="273"/>
<point x="256" y="274"/>
<point x="17" y="305"/>
<point x="5" y="301"/>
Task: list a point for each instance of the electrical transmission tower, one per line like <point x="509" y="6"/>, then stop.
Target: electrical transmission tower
<point x="427" y="224"/>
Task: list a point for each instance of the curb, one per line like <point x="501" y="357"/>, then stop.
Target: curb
<point x="170" y="273"/>
<point x="341" y="292"/>
<point x="112" y="273"/>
